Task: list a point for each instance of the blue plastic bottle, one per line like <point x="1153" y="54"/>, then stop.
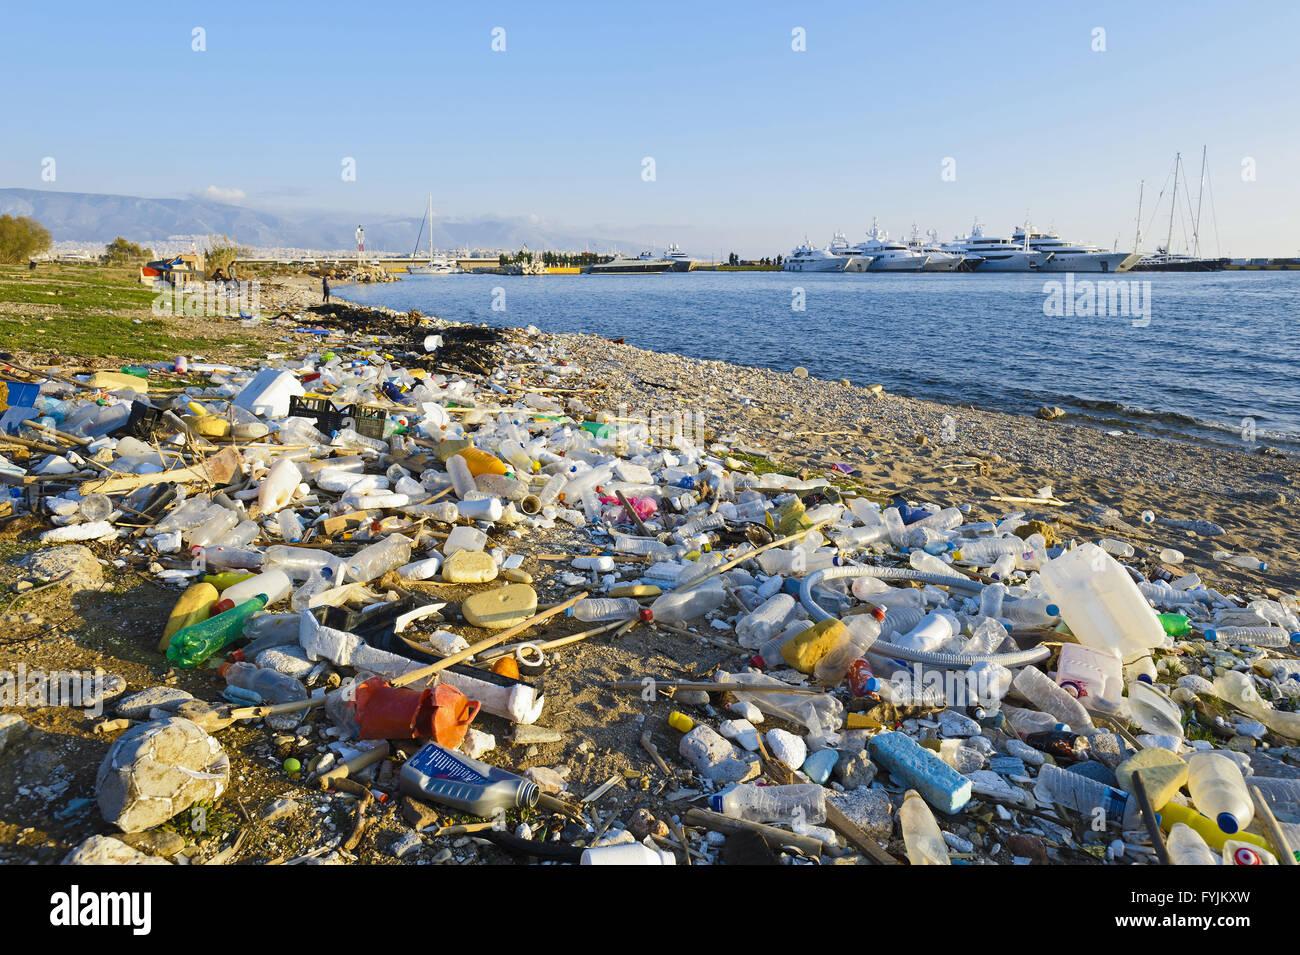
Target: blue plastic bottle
<point x="455" y="780"/>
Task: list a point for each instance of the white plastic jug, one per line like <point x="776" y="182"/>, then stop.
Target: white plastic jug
<point x="1094" y="677"/>
<point x="278" y="487"/>
<point x="269" y="392"/>
<point x="1100" y="602"/>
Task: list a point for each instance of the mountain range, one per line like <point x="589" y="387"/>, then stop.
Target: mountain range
<point x="99" y="218"/>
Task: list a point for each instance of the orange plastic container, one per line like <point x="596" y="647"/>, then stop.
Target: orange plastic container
<point x="442" y="712"/>
<point x="480" y="462"/>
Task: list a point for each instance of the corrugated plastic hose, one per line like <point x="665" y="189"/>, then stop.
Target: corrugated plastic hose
<point x="956" y="661"/>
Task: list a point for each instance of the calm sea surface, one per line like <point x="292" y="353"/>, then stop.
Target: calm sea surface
<point x="1218" y="347"/>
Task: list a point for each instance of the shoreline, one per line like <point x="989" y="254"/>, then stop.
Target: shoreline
<point x="900" y="445"/>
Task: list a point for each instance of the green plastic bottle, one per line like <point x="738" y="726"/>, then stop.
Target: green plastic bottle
<point x="191" y="645"/>
<point x="1175" y="624"/>
<point x="138" y="370"/>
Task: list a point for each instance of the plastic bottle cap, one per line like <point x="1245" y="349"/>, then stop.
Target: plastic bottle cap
<point x="646" y="615"/>
<point x="1211" y="635"/>
<point x="1295" y="638"/>
<point x="715" y="802"/>
<point x="1227" y="822"/>
<point x="873" y="685"/>
<point x="1145" y="678"/>
<point x="1053" y="610"/>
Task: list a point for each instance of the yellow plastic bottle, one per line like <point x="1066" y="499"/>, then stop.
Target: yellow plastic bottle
<point x="480" y="462"/>
<point x="1205" y="827"/>
<point x="227" y="578"/>
<point x="194" y="606"/>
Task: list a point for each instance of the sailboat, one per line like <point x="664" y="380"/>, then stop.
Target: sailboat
<point x="435" y="266"/>
<point x="1165" y="260"/>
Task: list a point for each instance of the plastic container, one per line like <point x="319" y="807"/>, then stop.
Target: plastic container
<point x="908" y="762"/>
<point x="756" y="628"/>
<point x="1094" y="677"/>
<point x="1219" y="791"/>
<point x="683" y="605"/>
<point x="1151" y="709"/>
<point x="270" y="685"/>
<point x="797" y="805"/>
<point x="1089" y="797"/>
<point x="454" y="779"/>
<point x="268" y="394"/>
<point x="1186" y="847"/>
<point x="921" y="834"/>
<point x="627" y="853"/>
<point x="278" y="486"/>
<point x="1100" y="603"/>
<point x="300" y="562"/>
<point x="272" y="584"/>
<point x="462" y="480"/>
<point x="192" y="645"/>
<point x="1172" y="814"/>
<point x="483" y="509"/>
<point x="377" y="559"/>
<point x="594" y="609"/>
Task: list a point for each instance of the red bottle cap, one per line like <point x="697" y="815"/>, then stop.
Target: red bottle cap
<point x="221" y="606"/>
<point x="237" y="656"/>
<point x="646" y="615"/>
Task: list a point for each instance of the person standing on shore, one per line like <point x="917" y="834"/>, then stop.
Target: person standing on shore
<point x="325" y="288"/>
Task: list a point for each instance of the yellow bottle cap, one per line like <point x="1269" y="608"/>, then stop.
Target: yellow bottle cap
<point x="681" y="722"/>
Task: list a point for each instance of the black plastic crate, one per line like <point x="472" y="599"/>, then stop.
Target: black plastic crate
<point x="143" y="424"/>
<point x="329" y="419"/>
<point x="368" y="420"/>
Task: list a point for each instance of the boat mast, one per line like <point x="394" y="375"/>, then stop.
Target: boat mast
<point x="1196" y="229"/>
<point x="1173" y="203"/>
<point x="1137" y="236"/>
<point x="431" y="228"/>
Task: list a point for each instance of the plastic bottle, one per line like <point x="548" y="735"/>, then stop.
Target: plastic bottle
<point x="483" y="509"/>
<point x="801" y="804"/>
<point x="290" y="525"/>
<point x="1115" y="548"/>
<point x="216" y="558"/>
<point x="985" y="550"/>
<point x="1003" y="567"/>
<point x="94" y="507"/>
<point x="1186" y="847"/>
<point x="642" y="546"/>
<point x="278" y="487"/>
<point x="1086" y="795"/>
<point x="768" y="620"/>
<point x="212" y="529"/>
<point x="1036" y="687"/>
<point x="860" y="632"/>
<point x="1172" y="813"/>
<point x="594" y="609"/>
<point x="682" y="605"/>
<point x="934" y="630"/>
<point x="991" y="598"/>
<point x="1100" y="603"/>
<point x="462" y="480"/>
<point x="928" y="563"/>
<point x="192" y="645"/>
<point x="1170" y="556"/>
<point x="377" y="559"/>
<point x="454" y="779"/>
<point x="921" y="834"/>
<point x="318" y="582"/>
<point x="274" y="585"/>
<point x="271" y="686"/>
<point x="1254" y="636"/>
<point x="1219" y="791"/>
<point x="626" y="853"/>
<point x="1030" y="612"/>
<point x="1244" y="561"/>
<point x="300" y="562"/>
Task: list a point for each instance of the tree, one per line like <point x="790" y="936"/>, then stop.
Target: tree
<point x="221" y="253"/>
<point x="21" y="238"/>
<point x="121" y="251"/>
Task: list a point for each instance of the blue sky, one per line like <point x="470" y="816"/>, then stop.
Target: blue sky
<point x="755" y="144"/>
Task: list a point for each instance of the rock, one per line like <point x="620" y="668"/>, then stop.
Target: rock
<point x="408" y="842"/>
<point x="741" y="732"/>
<point x="86" y="575"/>
<point x="1049" y="413"/>
<point x="155" y="770"/>
<point x="643" y="823"/>
<point x="289" y="660"/>
<point x="105" y="850"/>
<point x="469" y="567"/>
<point x="528" y="735"/>
<point x="818" y="766"/>
<point x="714" y="758"/>
<point x="869" y="808"/>
<point x="156" y="842"/>
<point x="279" y="809"/>
<point x="855" y="769"/>
<point x="441" y="856"/>
<point x="955" y="725"/>
<point x="1027" y="846"/>
<point x="12" y="728"/>
<point x="137" y="705"/>
<point x="547" y="779"/>
<point x="477" y="743"/>
<point x="787" y="747"/>
<point x="419" y="814"/>
<point x="499" y="608"/>
<point x="692" y="697"/>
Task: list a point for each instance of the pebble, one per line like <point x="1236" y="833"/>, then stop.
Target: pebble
<point x="787" y="747"/>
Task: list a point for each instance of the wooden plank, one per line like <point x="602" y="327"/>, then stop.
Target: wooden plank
<point x="218" y="469"/>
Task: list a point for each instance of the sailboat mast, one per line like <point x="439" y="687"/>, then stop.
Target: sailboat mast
<point x="1173" y="203"/>
<point x="1137" y="235"/>
<point x="1200" y="194"/>
<point x="431" y="228"/>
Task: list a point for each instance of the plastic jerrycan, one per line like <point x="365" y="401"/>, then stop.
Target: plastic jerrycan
<point x="1100" y="603"/>
<point x="469" y="785"/>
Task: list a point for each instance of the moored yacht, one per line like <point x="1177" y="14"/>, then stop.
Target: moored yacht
<point x="681" y="261"/>
<point x="937" y="258"/>
<point x="1063" y="256"/>
<point x="887" y="255"/>
<point x="805" y="258"/>
<point x="996" y="255"/>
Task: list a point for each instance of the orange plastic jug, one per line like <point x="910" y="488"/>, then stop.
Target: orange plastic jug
<point x="480" y="462"/>
<point x="441" y="712"/>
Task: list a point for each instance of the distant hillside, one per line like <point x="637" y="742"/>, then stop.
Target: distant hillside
<point x="95" y="217"/>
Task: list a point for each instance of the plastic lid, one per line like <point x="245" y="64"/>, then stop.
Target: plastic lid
<point x="1295" y="638"/>
<point x="1145" y="678"/>
<point x="1211" y="635"/>
<point x="1053" y="610"/>
<point x="874" y="684"/>
<point x="715" y="802"/>
<point x="1227" y="822"/>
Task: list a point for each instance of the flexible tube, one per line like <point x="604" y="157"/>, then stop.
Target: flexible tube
<point x="959" y="661"/>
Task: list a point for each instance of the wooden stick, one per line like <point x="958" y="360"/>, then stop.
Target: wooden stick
<point x="486" y="644"/>
<point x="1285" y="855"/>
<point x="631" y="512"/>
<point x="723" y="568"/>
<point x="707" y="819"/>
<point x="355" y="764"/>
<point x="1149" y="817"/>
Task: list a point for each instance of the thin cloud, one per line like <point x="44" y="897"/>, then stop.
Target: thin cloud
<point x="218" y="194"/>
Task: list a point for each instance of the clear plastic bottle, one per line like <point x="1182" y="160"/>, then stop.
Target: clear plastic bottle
<point x="1115" y="548"/>
<point x="1244" y="561"/>
<point x="461" y="478"/>
<point x="300" y="562"/>
<point x="1254" y="636"/>
<point x="595" y="609"/>
<point x="222" y="558"/>
<point x="985" y="550"/>
<point x="1030" y="612"/>
<point x="680" y="606"/>
<point x="800" y="804"/>
<point x="1219" y="791"/>
<point x="757" y="627"/>
<point x="1040" y="690"/>
<point x="1086" y="796"/>
<point x="1003" y="567"/>
<point x="94" y="507"/>
<point x="318" y="582"/>
<point x="290" y="525"/>
<point x="642" y="546"/>
<point x="991" y="598"/>
<point x="921" y="834"/>
<point x="929" y="564"/>
<point x="212" y="529"/>
<point x="1186" y="847"/>
<point x="270" y="685"/>
<point x="379" y="558"/>
<point x="860" y="632"/>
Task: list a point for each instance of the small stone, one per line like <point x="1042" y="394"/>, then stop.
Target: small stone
<point x="953" y="724"/>
<point x="713" y="757"/>
<point x="469" y="567"/>
<point x="1027" y="846"/>
<point x="692" y="697"/>
<point x="787" y="747"/>
<point x="419" y="814"/>
<point x="855" y="769"/>
<point x="747" y="710"/>
<point x="105" y="850"/>
<point x="12" y="728"/>
<point x="800" y="371"/>
<point x="156" y="842"/>
<point x="441" y="856"/>
<point x="477" y="743"/>
<point x="547" y="779"/>
<point x="406" y="843"/>
<point x="501" y="607"/>
<point x="643" y="823"/>
<point x="281" y="808"/>
<point x="526" y="735"/>
<point x="818" y="765"/>
<point x="1049" y="413"/>
<point x="869" y="808"/>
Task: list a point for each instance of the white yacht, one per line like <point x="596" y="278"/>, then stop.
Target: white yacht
<point x="938" y="259"/>
<point x="805" y="258"/>
<point x="887" y="255"/>
<point x="1068" y="257"/>
<point x="681" y="261"/>
<point x="437" y="265"/>
<point x="997" y="255"/>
